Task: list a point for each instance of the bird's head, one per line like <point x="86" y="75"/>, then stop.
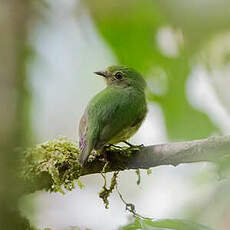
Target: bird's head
<point x="122" y="76"/>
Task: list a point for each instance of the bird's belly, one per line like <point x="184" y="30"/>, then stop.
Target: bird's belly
<point x="125" y="134"/>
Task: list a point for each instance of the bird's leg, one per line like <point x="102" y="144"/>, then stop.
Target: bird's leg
<point x="112" y="145"/>
<point x="133" y="146"/>
<point x="103" y="154"/>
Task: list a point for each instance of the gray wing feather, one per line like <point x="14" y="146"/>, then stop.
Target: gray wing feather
<point x="84" y="146"/>
<point x="87" y="138"/>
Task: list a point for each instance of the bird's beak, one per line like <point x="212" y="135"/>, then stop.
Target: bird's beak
<point x="101" y="73"/>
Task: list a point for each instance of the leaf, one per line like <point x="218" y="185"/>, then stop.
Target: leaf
<point x="169" y="224"/>
<point x="133" y="226"/>
<point x="175" y="224"/>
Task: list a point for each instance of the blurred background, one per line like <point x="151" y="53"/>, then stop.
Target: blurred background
<point x="49" y="50"/>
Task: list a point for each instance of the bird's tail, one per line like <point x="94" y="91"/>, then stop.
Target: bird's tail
<point x="84" y="154"/>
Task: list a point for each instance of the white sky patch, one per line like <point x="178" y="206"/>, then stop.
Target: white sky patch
<point x="221" y="81"/>
<point x="167" y="42"/>
<point x="153" y="129"/>
<point x="202" y="96"/>
<point x="157" y="81"/>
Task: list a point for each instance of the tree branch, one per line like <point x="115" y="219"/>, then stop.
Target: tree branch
<point x="54" y="164"/>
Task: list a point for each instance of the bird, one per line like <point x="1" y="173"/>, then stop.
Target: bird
<point x="115" y="113"/>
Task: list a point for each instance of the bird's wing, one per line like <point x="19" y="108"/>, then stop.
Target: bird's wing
<point x="98" y="113"/>
<point x="87" y="137"/>
<point x="119" y="112"/>
<point x="82" y="130"/>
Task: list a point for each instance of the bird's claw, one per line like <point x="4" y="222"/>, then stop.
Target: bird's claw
<point x="133" y="146"/>
<point x="112" y="145"/>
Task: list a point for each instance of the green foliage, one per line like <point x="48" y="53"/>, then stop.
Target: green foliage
<point x="169" y="224"/>
<point x="14" y="220"/>
<point x="130" y="29"/>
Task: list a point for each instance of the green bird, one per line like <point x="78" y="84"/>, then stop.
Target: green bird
<point x="115" y="113"/>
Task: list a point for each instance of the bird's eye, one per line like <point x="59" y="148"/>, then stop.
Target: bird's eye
<point x="118" y="75"/>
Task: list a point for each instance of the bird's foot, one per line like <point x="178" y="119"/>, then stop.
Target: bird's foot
<point x="133" y="146"/>
<point x="112" y="145"/>
<point x="116" y="146"/>
<point x="103" y="155"/>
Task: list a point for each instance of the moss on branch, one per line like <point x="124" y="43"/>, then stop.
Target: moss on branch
<point x="53" y="165"/>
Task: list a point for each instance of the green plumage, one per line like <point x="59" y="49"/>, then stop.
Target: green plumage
<point x="115" y="113"/>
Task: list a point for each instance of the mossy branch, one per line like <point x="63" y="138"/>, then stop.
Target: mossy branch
<point x="53" y="165"/>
